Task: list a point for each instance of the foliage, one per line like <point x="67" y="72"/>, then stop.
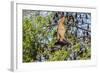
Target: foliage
<point x="39" y="36"/>
<point x="27" y="40"/>
<point x="59" y="55"/>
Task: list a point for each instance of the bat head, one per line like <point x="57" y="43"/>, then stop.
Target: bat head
<point x="63" y="19"/>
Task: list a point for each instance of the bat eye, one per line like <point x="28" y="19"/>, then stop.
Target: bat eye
<point x="55" y="21"/>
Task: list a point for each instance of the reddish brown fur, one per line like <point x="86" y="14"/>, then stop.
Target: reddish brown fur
<point x="61" y="30"/>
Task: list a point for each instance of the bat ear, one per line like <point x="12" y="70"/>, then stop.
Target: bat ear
<point x="62" y="14"/>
